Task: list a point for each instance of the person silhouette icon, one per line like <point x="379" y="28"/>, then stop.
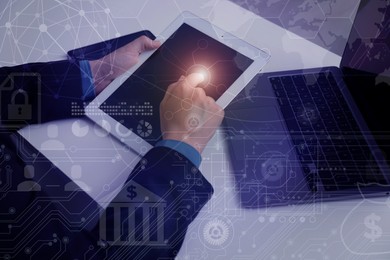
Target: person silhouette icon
<point x="29" y="185"/>
<point x="52" y="143"/>
<point x="76" y="184"/>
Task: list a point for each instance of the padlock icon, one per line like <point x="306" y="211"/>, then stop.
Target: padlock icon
<point x="19" y="111"/>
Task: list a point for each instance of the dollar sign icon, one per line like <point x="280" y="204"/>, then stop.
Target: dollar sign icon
<point x="131" y="192"/>
<point x="375" y="230"/>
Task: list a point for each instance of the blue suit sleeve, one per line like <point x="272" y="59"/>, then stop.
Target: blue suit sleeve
<point x="185" y="149"/>
<point x="87" y="84"/>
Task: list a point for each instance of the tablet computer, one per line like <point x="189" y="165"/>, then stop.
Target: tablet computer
<point x="129" y="107"/>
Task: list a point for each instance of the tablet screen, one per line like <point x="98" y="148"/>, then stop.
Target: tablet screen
<point x="135" y="104"/>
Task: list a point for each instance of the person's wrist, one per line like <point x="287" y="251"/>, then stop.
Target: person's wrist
<point x="101" y="75"/>
<point x="185" y="138"/>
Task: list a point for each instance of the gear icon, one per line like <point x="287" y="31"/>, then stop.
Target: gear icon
<point x="272" y="169"/>
<point x="192" y="122"/>
<point x="216" y="232"/>
<point x="144" y="128"/>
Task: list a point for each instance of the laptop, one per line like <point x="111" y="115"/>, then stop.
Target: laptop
<point x="318" y="134"/>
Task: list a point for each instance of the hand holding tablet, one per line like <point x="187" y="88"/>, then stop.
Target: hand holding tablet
<point x="187" y="114"/>
<point x="131" y="103"/>
<point x="113" y="65"/>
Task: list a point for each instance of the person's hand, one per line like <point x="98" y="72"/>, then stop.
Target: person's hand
<point x="187" y="114"/>
<point x="106" y="69"/>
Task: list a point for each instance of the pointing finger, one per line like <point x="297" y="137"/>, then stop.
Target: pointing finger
<point x="194" y="79"/>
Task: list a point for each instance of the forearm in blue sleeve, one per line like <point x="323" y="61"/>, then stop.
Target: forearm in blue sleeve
<point x="185" y="149"/>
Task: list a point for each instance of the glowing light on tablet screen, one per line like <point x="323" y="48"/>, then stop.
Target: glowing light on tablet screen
<point x="204" y="75"/>
<point x="202" y="70"/>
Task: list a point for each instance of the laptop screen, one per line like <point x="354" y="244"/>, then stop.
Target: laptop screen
<point x="366" y="67"/>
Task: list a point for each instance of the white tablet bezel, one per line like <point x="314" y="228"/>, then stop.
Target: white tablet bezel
<point x="132" y="140"/>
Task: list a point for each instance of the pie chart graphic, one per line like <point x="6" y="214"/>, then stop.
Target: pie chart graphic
<point x="80" y="128"/>
<point x="144" y="128"/>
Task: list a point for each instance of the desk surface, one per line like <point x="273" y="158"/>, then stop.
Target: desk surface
<point x="338" y="230"/>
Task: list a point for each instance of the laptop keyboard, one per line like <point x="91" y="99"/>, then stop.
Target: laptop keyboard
<point x="325" y="134"/>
